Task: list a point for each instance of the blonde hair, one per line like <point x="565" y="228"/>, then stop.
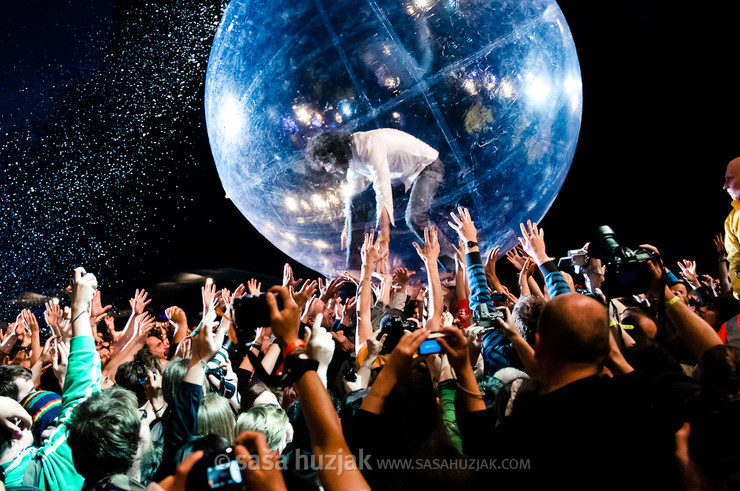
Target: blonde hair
<point x="216" y="417"/>
<point x="271" y="420"/>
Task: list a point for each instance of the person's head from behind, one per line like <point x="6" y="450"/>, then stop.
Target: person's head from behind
<point x="269" y="419"/>
<point x="330" y="150"/>
<point x="526" y="313"/>
<point x="643" y="325"/>
<point x="172" y="377"/>
<point x="104" y="434"/>
<point x="215" y="416"/>
<point x="258" y="394"/>
<point x="573" y="331"/>
<point x="719" y="367"/>
<point x="16" y="381"/>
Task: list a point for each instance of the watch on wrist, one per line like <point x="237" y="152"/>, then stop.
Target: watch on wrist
<point x="472" y="243"/>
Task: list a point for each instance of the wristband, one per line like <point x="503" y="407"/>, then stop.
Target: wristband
<point x="295" y="344"/>
<point x="472" y="243"/>
<point x="670" y="303"/>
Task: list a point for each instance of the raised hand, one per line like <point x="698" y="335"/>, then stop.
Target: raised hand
<point x="30" y="321"/>
<point x="516" y="258"/>
<point x="464" y="225"/>
<point x="688" y="271"/>
<point x="239" y="292"/>
<point x="208" y="294"/>
<point x="254" y="287"/>
<point x="401" y="277"/>
<point x="372" y="251"/>
<point x="348" y="311"/>
<point x="97" y="311"/>
<point x="490" y="270"/>
<point x="302" y="296"/>
<point x="288" y="280"/>
<point x="285" y="322"/>
<point x="139" y="302"/>
<point x="430" y="253"/>
<point x="176" y="316"/>
<point x="719" y="245"/>
<point x="82" y="288"/>
<point x="375" y="343"/>
<point x="59" y="361"/>
<point x="53" y="316"/>
<point x="330" y="289"/>
<point x="533" y="242"/>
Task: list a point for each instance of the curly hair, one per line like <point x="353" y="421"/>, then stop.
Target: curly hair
<point x="104" y="434"/>
<point x="329" y="150"/>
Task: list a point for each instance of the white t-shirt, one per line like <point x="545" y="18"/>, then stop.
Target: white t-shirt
<point x="383" y="156"/>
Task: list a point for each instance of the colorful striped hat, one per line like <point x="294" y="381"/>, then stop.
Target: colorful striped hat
<point x="44" y="407"/>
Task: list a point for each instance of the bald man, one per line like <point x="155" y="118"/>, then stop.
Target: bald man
<point x="581" y="429"/>
<point x="572" y="340"/>
<point x="732" y="224"/>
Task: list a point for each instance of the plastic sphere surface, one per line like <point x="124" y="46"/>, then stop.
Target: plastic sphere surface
<point x="493" y="85"/>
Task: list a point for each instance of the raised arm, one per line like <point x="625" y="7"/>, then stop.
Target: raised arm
<point x="429" y="254"/>
<point x="694" y="332"/>
<point x="323" y="423"/>
<point x="371" y="254"/>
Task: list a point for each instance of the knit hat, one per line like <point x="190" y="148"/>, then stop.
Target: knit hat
<point x="44" y="407"/>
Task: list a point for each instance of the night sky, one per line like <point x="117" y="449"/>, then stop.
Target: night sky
<point x="105" y="162"/>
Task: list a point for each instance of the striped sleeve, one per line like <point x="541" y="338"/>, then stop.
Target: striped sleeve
<point x="554" y="280"/>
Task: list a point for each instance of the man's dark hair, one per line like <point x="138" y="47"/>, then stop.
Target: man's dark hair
<point x="571" y="332"/>
<point x="104" y="434"/>
<point x="132" y="374"/>
<point x="329" y="147"/>
<point x="8" y="374"/>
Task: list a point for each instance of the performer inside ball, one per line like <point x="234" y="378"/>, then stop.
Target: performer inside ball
<point x="384" y="156"/>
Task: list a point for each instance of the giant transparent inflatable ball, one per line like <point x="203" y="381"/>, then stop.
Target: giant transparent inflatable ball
<point x="493" y="85"/>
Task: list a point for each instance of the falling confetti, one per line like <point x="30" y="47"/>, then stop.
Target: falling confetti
<point x="96" y="176"/>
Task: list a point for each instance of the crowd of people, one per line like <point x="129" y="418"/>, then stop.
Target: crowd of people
<point x="386" y="379"/>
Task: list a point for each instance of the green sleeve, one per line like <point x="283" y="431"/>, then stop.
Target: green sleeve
<point x="447" y="389"/>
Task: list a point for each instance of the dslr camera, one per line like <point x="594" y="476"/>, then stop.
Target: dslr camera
<point x="484" y="317"/>
<point x="626" y="271"/>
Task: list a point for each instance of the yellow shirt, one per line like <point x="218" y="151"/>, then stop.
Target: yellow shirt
<point x="732" y="245"/>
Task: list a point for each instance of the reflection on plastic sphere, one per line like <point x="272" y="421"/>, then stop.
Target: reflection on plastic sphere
<point x="493" y="85"/>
